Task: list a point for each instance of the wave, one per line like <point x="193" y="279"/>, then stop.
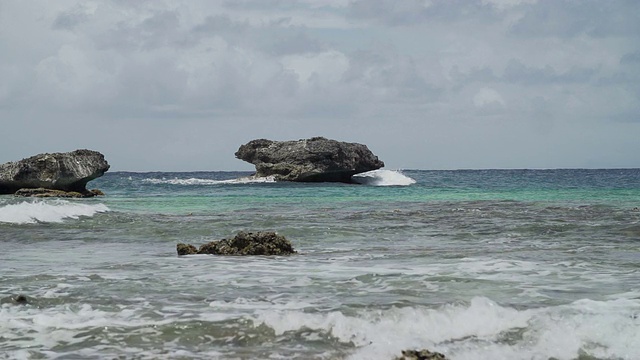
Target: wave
<point x="374" y="178"/>
<point x="47" y="211"/>
<point x="481" y="329"/>
<point x="383" y="178"/>
<point x="196" y="181"/>
<point x="478" y="329"/>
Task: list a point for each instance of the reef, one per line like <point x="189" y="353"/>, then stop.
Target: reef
<point x="260" y="243"/>
<point x="42" y="192"/>
<point x="309" y="160"/>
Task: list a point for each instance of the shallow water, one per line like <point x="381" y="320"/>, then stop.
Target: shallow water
<point x="494" y="264"/>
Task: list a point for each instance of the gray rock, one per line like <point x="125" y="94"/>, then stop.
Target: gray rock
<point x="309" y="160"/>
<point x="260" y="243"/>
<point x="68" y="172"/>
<point x="423" y="354"/>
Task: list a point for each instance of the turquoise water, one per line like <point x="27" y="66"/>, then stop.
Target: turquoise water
<point x="487" y="264"/>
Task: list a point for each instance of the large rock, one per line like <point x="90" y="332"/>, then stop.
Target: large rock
<point x="58" y="171"/>
<point x="311" y="160"/>
<point x="260" y="243"/>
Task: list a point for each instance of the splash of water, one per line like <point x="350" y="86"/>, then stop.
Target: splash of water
<point x="47" y="211"/>
<point x="383" y="178"/>
<point x="481" y="329"/>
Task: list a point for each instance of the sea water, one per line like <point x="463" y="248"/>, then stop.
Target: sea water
<point x="491" y="264"/>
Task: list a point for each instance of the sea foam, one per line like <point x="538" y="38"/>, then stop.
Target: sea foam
<point x="374" y="178"/>
<point x="47" y="211"/>
<point x="197" y="181"/>
<point x="383" y="178"/>
<point x="481" y="329"/>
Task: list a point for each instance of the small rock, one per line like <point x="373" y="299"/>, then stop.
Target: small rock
<point x="186" y="249"/>
<point x="423" y="354"/>
<point x="260" y="243"/>
<point x="96" y="192"/>
<point x="20" y="299"/>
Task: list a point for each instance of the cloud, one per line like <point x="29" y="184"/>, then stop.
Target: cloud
<point x="507" y="4"/>
<point x="415" y="12"/>
<point x="486" y="97"/>
<point x="566" y="18"/>
<point x="221" y="25"/>
<point x="70" y="19"/>
<point x="474" y="75"/>
<point x="293" y="42"/>
<point x="631" y="58"/>
<point x="516" y="71"/>
<point x="159" y="29"/>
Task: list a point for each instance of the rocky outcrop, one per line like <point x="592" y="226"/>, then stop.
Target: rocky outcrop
<point x="69" y="172"/>
<point x="309" y="160"/>
<point x="260" y="243"/>
<point x="420" y="355"/>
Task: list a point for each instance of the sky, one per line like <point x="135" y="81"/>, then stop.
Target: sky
<point x="425" y="84"/>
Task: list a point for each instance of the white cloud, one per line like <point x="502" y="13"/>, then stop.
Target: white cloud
<point x="487" y="97"/>
<point x="507" y="4"/>
<point x="323" y="68"/>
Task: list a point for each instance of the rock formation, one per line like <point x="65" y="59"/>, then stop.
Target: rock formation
<point x="69" y="172"/>
<point x="309" y="160"/>
<point x="260" y="243"/>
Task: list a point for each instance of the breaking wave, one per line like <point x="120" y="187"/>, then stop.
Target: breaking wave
<point x="481" y="329"/>
<point x="47" y="211"/>
<point x="374" y="178"/>
<point x="383" y="178"/>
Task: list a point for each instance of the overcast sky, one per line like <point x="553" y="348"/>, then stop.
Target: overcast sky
<point x="425" y="84"/>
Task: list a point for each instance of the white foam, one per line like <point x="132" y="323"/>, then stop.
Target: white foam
<point x="383" y="178"/>
<point x="196" y="181"/>
<point x="34" y="327"/>
<point x="604" y="329"/>
<point x="47" y="211"/>
<point x="479" y="329"/>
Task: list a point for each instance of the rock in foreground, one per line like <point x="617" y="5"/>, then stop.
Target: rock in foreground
<point x="420" y="355"/>
<point x="309" y="160"/>
<point x="260" y="243"/>
<point x="69" y="172"/>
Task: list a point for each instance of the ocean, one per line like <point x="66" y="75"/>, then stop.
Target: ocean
<point x="475" y="264"/>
